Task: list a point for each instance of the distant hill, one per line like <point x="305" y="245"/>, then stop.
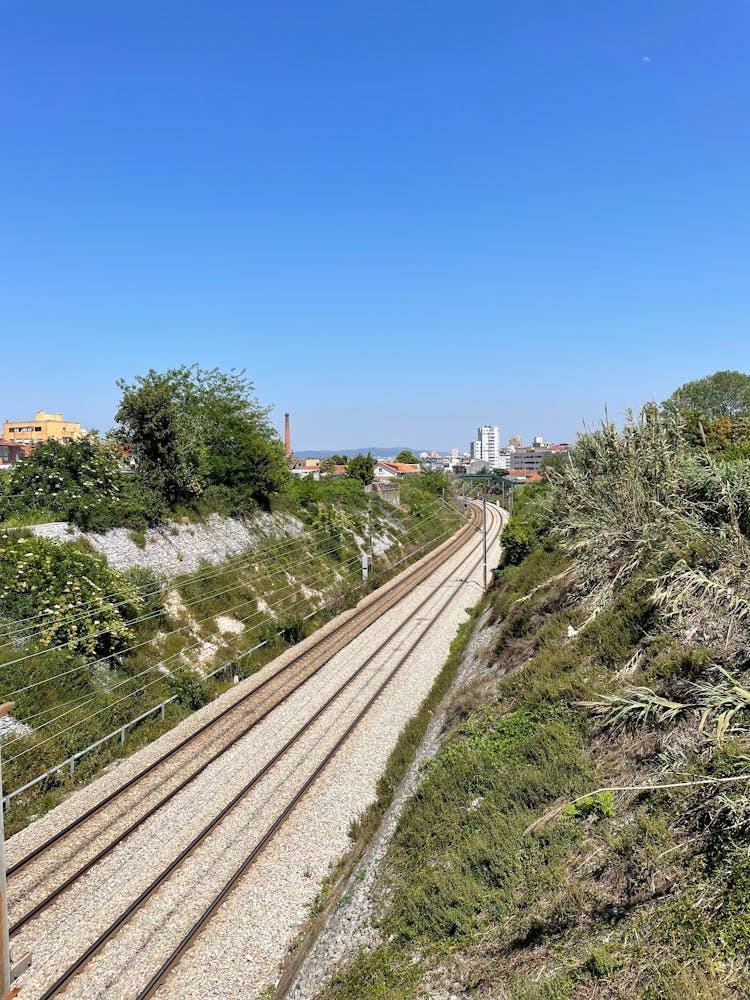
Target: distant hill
<point x="375" y="452"/>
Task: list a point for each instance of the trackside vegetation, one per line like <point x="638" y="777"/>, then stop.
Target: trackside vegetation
<point x="196" y="441"/>
<point x="85" y="648"/>
<point x="584" y="830"/>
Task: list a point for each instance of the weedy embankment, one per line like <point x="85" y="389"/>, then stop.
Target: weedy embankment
<point x="584" y="830"/>
<point x="85" y="649"/>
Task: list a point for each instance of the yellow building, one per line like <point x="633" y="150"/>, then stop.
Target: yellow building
<point x="43" y="427"/>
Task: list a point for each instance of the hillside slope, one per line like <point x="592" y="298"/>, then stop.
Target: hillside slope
<point x="584" y="830"/>
<point x="87" y="646"/>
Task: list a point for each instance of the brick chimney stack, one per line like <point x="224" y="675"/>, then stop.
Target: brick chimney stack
<point x="287" y="436"/>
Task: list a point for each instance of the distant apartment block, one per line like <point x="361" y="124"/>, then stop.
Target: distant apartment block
<point x="530" y="459"/>
<point x="486" y="446"/>
<point x="44" y="427"/>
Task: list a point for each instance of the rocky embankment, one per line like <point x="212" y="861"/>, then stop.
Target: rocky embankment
<point x="179" y="548"/>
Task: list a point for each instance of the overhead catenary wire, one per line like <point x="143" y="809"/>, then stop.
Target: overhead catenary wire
<point x="159" y="612"/>
<point x="250" y="556"/>
<point x="71" y="643"/>
<point x="160" y="666"/>
<point x="138" y="645"/>
<point x="105" y="708"/>
<point x="287" y="593"/>
<point x="231" y="565"/>
<point x="120" y="653"/>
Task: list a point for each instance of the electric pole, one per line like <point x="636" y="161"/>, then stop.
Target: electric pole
<point x="369" y="531"/>
<point x="484" y="534"/>
<point x="8" y="971"/>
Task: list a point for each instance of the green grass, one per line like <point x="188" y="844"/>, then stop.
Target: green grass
<point x="616" y="896"/>
<point x="31" y="517"/>
<point x="109" y="691"/>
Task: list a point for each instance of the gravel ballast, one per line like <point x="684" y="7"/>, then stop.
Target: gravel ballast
<point x="240" y="951"/>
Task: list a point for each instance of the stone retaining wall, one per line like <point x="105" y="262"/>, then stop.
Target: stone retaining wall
<point x="175" y="549"/>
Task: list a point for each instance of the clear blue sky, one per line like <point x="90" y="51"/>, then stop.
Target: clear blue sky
<point x="402" y="218"/>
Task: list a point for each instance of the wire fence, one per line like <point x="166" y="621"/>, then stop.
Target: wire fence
<point x="121" y="731"/>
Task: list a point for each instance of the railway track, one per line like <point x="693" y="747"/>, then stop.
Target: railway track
<point x="332" y="701"/>
<point x="38" y="878"/>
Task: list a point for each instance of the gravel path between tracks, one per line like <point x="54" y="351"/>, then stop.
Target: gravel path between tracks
<point x="241" y="950"/>
<point x="350" y="928"/>
<point x="122" y="770"/>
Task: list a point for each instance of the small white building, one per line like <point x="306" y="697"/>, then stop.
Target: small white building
<point x="395" y="470"/>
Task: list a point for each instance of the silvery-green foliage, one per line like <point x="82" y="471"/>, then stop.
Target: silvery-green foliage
<point x="637" y="500"/>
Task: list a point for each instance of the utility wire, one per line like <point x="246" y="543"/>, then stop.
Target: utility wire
<point x="159" y="612"/>
<point x="105" y="708"/>
<point x="198" y="642"/>
<point x="248" y="558"/>
<point x="160" y="665"/>
<point x="145" y="642"/>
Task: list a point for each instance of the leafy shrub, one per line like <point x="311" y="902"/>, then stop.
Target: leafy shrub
<point x="188" y="685"/>
<point x="308" y="493"/>
<point x="519" y="540"/>
<point x="601" y="805"/>
<point x="71" y="596"/>
<point x="80" y="480"/>
<point x="528" y="525"/>
<point x="334" y="527"/>
<point x="293" y="631"/>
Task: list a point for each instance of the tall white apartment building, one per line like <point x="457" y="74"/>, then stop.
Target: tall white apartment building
<point x="487" y="445"/>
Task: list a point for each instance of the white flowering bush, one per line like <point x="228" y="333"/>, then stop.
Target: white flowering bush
<point x="60" y="594"/>
<point x="80" y="482"/>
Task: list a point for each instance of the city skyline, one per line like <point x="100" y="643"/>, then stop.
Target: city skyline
<point x="398" y="224"/>
<point x="279" y="426"/>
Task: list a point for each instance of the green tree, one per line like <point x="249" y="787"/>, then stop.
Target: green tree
<point x="723" y="394"/>
<point x="328" y="464"/>
<point x="408" y="457"/>
<point x="362" y="467"/>
<point x="724" y="437"/>
<point x="431" y="481"/>
<point x="196" y="432"/>
<point x="164" y="442"/>
<point x="188" y="685"/>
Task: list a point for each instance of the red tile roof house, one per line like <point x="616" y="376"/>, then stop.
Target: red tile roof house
<point x="530" y="477"/>
<point x="395" y="470"/>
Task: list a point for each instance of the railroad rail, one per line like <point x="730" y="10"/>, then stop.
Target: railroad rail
<point x="100" y="828"/>
<point x="159" y="881"/>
